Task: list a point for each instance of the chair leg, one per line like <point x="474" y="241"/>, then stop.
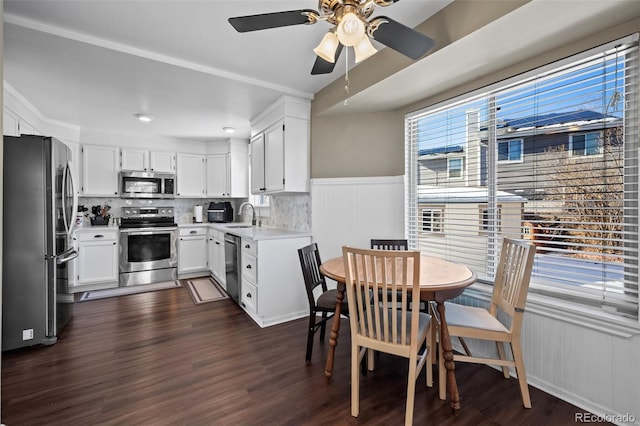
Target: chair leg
<point x="411" y="389"/>
<point x="518" y="358"/>
<point x="310" y="333"/>
<point x="429" y="363"/>
<point x="503" y="356"/>
<point x="442" y="374"/>
<point x="356" y="357"/>
<point x="323" y="326"/>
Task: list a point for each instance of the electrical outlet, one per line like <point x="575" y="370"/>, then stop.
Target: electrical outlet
<point x="27" y="334"/>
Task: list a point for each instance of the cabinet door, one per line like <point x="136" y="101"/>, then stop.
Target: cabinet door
<point x="192" y="254"/>
<point x="135" y="159"/>
<point x="163" y="162"/>
<point x="100" y="166"/>
<point x="221" y="271"/>
<point x="97" y="262"/>
<point x="238" y="173"/>
<point x="218" y="175"/>
<point x="274" y="158"/>
<point x="212" y="252"/>
<point x="190" y="175"/>
<point x="257" y="164"/>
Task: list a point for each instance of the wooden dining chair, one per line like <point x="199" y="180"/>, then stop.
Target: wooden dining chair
<point x="322" y="301"/>
<point x="381" y="325"/>
<point x="509" y="296"/>
<point x="385" y="244"/>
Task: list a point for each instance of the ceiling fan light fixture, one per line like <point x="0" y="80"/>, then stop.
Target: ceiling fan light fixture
<point x="350" y="29"/>
<point x="363" y="49"/>
<point x="327" y="47"/>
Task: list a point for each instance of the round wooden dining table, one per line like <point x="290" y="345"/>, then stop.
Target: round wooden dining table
<point x="440" y="280"/>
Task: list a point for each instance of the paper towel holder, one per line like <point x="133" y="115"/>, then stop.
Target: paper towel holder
<point x="197" y="214"/>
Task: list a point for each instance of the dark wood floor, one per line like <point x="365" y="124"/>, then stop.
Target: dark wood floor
<point x="158" y="359"/>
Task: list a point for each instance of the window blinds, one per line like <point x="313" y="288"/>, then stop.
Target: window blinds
<point x="550" y="157"/>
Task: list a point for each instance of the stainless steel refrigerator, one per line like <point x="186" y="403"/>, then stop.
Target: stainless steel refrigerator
<point x="39" y="208"/>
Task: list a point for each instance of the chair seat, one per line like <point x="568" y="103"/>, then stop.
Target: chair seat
<point x="472" y="317"/>
<point x="327" y="302"/>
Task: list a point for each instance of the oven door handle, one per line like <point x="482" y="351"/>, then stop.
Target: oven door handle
<point x="150" y="231"/>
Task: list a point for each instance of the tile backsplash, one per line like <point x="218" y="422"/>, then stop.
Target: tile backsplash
<point x="288" y="211"/>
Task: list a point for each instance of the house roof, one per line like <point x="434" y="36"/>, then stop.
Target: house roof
<point x="432" y="195"/>
<point x="566" y="118"/>
<point x="441" y="150"/>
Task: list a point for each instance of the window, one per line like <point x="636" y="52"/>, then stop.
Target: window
<point x="510" y="150"/>
<point x="582" y="215"/>
<point x="432" y="220"/>
<point x="454" y="165"/>
<point x="585" y="144"/>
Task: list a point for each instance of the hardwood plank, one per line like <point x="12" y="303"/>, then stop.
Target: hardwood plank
<point x="158" y="359"/>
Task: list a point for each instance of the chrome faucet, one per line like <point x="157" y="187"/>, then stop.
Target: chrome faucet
<point x="253" y="209"/>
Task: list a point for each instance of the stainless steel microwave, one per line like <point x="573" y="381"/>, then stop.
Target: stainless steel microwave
<point x="147" y="185"/>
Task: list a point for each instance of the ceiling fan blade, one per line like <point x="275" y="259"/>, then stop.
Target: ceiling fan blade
<point x="264" y="21"/>
<point x="320" y="66"/>
<point x="401" y="38"/>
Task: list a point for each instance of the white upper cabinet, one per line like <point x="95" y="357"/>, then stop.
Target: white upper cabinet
<point x="227" y="170"/>
<point x="280" y="148"/>
<point x="163" y="162"/>
<point x="190" y="175"/>
<point x="100" y="167"/>
<point x="148" y="161"/>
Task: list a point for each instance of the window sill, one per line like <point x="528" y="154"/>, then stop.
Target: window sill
<point x="567" y="312"/>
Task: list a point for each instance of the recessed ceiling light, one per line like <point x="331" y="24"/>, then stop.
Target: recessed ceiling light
<point x="144" y="117"/>
<point x="229" y="129"/>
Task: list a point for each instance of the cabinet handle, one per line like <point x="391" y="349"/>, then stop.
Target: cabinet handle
<point x="248" y="295"/>
<point x="247" y="246"/>
<point x="114" y="244"/>
<point x="98" y="236"/>
<point x="217" y="243"/>
<point x="193" y="232"/>
<point x="248" y="266"/>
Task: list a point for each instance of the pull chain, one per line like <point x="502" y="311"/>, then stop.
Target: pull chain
<point x="346" y="78"/>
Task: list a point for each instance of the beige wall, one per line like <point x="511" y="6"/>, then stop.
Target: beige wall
<point x="354" y="145"/>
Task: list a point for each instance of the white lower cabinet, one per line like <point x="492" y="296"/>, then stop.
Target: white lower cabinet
<point x="192" y="250"/>
<point x="272" y="288"/>
<point x="215" y="243"/>
<point x="96" y="266"/>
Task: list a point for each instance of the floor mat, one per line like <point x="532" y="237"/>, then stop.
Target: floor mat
<point x="204" y="290"/>
<point x="133" y="289"/>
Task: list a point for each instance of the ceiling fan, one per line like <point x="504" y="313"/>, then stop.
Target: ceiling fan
<point x="351" y="27"/>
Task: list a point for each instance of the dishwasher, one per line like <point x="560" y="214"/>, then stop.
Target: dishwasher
<point x="232" y="249"/>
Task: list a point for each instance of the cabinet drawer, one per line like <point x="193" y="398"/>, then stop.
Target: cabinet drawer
<point x="190" y="232"/>
<point x="250" y="247"/>
<point x="249" y="268"/>
<point x="98" y="235"/>
<point x="249" y="299"/>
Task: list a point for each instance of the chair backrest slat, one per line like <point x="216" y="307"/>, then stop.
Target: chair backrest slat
<point x="370" y="273"/>
<point x="513" y="276"/>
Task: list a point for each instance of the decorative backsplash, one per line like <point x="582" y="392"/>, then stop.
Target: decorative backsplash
<point x="290" y="211"/>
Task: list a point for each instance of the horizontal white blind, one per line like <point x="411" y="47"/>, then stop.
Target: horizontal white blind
<point x="551" y="158"/>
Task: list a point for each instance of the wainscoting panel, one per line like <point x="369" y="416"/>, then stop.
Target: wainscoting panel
<point x="594" y="370"/>
<point x="351" y="211"/>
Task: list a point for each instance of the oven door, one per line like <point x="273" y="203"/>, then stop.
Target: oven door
<point x="145" y="249"/>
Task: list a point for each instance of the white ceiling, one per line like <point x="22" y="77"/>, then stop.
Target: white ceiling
<point x="96" y="63"/>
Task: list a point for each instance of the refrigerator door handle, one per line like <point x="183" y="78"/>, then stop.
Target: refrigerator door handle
<point x="66" y="256"/>
<point x="69" y="221"/>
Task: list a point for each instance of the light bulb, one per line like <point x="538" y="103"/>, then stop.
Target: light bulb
<point x="350" y="29"/>
<point x="327" y="47"/>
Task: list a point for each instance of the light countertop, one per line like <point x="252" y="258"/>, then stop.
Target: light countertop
<point x="247" y="231"/>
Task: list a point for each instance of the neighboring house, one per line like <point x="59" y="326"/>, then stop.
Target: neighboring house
<point x="521" y="142"/>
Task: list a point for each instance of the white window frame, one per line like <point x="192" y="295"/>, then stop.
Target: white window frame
<point x="508" y="142"/>
<point x="450" y="169"/>
<point x="436" y="220"/>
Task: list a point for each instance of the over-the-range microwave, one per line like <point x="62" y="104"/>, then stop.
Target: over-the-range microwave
<point x="147" y="185"/>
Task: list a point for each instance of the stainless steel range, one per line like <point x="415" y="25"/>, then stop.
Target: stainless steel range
<point x="148" y="245"/>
